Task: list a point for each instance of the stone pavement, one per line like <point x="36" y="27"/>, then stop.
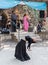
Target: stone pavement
<point x="38" y="53"/>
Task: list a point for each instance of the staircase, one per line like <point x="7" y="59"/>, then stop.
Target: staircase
<point x="21" y="35"/>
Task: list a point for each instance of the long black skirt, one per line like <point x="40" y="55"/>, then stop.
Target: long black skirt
<point x="20" y="51"/>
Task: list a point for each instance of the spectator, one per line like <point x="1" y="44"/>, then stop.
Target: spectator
<point x="13" y="18"/>
<point x="25" y="22"/>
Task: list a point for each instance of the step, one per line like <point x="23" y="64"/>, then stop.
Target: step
<point x="23" y="34"/>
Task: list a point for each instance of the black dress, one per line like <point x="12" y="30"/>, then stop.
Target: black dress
<point x="20" y="51"/>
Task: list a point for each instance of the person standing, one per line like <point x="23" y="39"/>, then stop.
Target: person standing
<point x="18" y="22"/>
<point x="13" y="18"/>
<point x="39" y="27"/>
<point x="25" y="22"/>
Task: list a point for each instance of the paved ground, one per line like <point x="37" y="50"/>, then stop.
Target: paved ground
<point x="38" y="53"/>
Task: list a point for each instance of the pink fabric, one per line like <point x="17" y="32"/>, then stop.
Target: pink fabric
<point x="25" y="23"/>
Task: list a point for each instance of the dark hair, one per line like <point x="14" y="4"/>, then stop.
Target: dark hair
<point x="24" y="14"/>
<point x="39" y="21"/>
<point x="12" y="11"/>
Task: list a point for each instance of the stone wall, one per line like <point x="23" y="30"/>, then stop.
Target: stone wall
<point x="33" y="14"/>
